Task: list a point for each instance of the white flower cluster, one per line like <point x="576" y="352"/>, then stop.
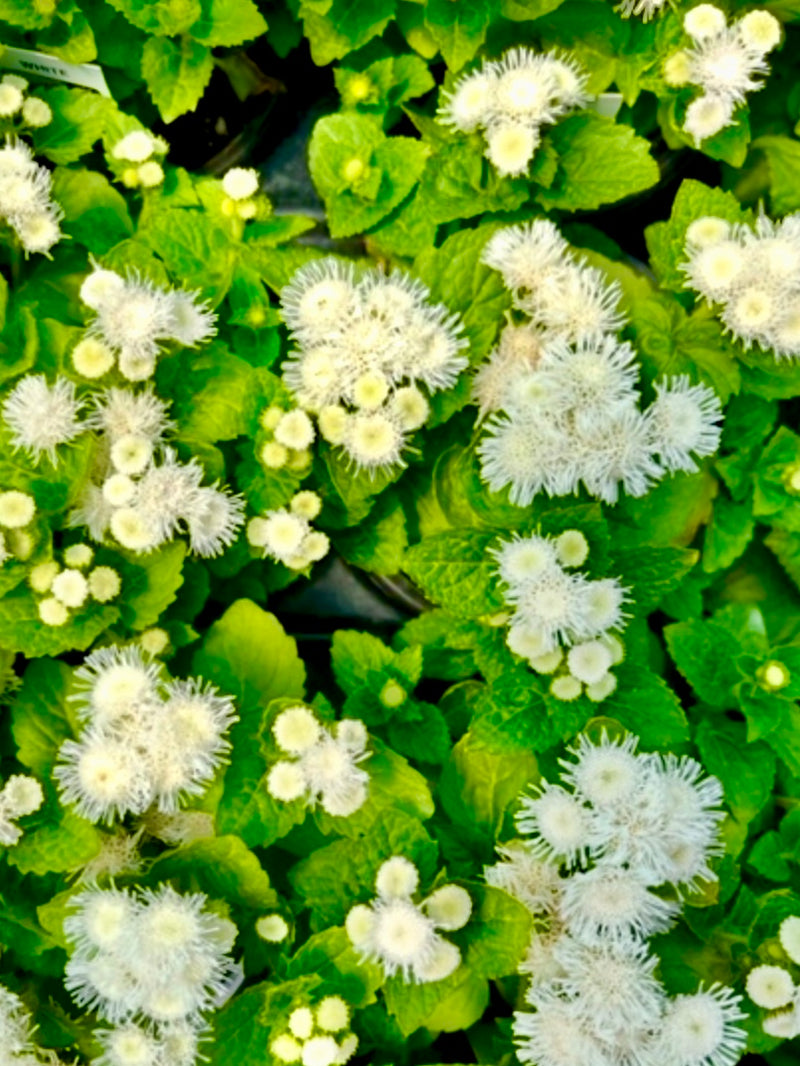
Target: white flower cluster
<point x="286" y="536"/>
<point x="403" y="935"/>
<point x="42" y="416"/>
<point x="25" y="202"/>
<point x="146" y="741"/>
<point x="19" y="796"/>
<point x="317" y="1036"/>
<point x="561" y="621"/>
<point x="140" y="493"/>
<point x="67" y="588"/>
<point x="134" y="318"/>
<point x="618" y="826"/>
<point x="511" y="99"/>
<point x="17" y="510"/>
<point x="753" y="275"/>
<point x="140" y="155"/>
<point x="16" y="104"/>
<point x="16" y="1034"/>
<point x="324" y="764"/>
<point x="151" y="963"/>
<point x="242" y="200"/>
<point x="772" y="987"/>
<point x="365" y="350"/>
<point x="567" y="386"/>
<point x="723" y="63"/>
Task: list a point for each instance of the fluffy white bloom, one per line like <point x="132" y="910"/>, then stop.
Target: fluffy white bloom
<point x="558" y="825"/>
<point x="145" y="741"/>
<point x="287" y="535"/>
<point x="325" y="768"/>
<point x="308" y="1038"/>
<point x="401" y="934"/>
<point x="753" y="276"/>
<point x="16" y="509"/>
<point x="724" y="63"/>
<point x="701" y="1029"/>
<point x="770" y="987"/>
<point x="789" y="935"/>
<point x="365" y="349"/>
<point x="134" y="147"/>
<point x="25" y="189"/>
<point x="134" y="318"/>
<point x="41" y="416"/>
<point x="36" y="112"/>
<point x="21" y="795"/>
<point x="532" y="881"/>
<point x="511" y="99"/>
<point x="684" y="421"/>
<point x="240" y="183"/>
<point x="156" y="956"/>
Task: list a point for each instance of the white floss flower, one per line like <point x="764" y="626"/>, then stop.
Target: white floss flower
<point x="396" y="878"/>
<point x="684" y="422"/>
<point x="770" y="987"/>
<point x="589" y="662"/>
<point x="365" y="350"/>
<point x="510" y="100"/>
<point x="558" y="824"/>
<point x="296" y="729"/>
<point x="135" y="147"/>
<point x="295" y="430"/>
<point x="287" y="535"/>
<point x="42" y="416"/>
<point x="449" y="906"/>
<point x="16" y="509"/>
<point x="21" y="795"/>
<point x="701" y="1029"/>
<point x="10" y="100"/>
<point x="78" y="555"/>
<point x="155" y="956"/>
<point x="146" y="741"/>
<point x="760" y="30"/>
<point x="150" y="174"/>
<point x="395" y="931"/>
<point x="124" y="414"/>
<point x="572" y="548"/>
<point x="704" y="21"/>
<point x="706" y="116"/>
<point x="789" y="935"/>
<point x="286" y="782"/>
<point x="611" y="902"/>
<point x="25" y="202"/>
<point x="534" y="882"/>
<point x="240" y="183"/>
<point x="604" y="774"/>
<point x="134" y="318"/>
<point x="333" y="1014"/>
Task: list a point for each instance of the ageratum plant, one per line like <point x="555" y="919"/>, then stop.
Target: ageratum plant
<point x="399" y="558"/>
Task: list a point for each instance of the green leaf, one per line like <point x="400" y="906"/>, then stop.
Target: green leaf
<point x="706" y="652"/>
<point x="332" y="879"/>
<point x="745" y="770"/>
<point x="728" y="535"/>
<point x="454" y="569"/>
<point x="172" y="17"/>
<point x="228" y="22"/>
<point x="651" y="572"/>
<point x="786" y="547"/>
<point x="479" y="784"/>
<point x="150" y="584"/>
<point x="247" y="653"/>
<point x="41" y="718"/>
<point x="335" y="28"/>
<point x="377" y="545"/>
<point x="500" y="931"/>
<point x="79" y="118"/>
<point x="599" y="163"/>
<point x="215" y="394"/>
<point x="176" y="73"/>
<point x="450" y="1005"/>
<point x="666" y="240"/>
<point x="783" y="161"/>
<point x="198" y="253"/>
<point x="390" y="167"/>
<point x="21" y="628"/>
<point x="357" y="657"/>
<point x="459" y="30"/>
<point x="222" y="867"/>
<point x="331" y="957"/>
<point x="64" y="842"/>
<point x="648" y="707"/>
<point x="94" y="212"/>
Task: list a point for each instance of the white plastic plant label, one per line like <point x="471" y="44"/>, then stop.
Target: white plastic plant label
<point x="39" y="64"/>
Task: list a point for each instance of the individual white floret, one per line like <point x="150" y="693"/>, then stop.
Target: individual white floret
<point x="554" y="1035"/>
<point x="605" y="774"/>
<point x="296" y="729"/>
<point x="21" y="795"/>
<point x="301" y="1023"/>
<point x="53" y="612"/>
<point x="566" y="688"/>
<point x="702" y="1030"/>
<point x="707" y="231"/>
<point x="286" y="1048"/>
<point x="150" y="174"/>
<point x="321" y="296"/>
<point x="789" y="935"/>
<point x="273" y="928"/>
<point x="534" y="882"/>
<point x="557" y="824"/>
<point x="706" y="116"/>
<point x="42" y="416"/>
<point x="286" y="781"/>
<point x="450" y="907"/>
<point x="213" y="520"/>
<point x="759" y="30"/>
<point x="403" y="938"/>
<point x="36" y="113"/>
<point x="70" y="587"/>
<point x="333" y="776"/>
<point x="373" y="440"/>
<point x="684" y="423"/>
<point x="333" y="1014"/>
<point x="510" y="146"/>
<point x="104" y="583"/>
<point x="10" y="100"/>
<point x="295" y="430"/>
<point x="240" y="183"/>
<point x="704" y="21"/>
<point x="524" y="559"/>
<point x="578" y="304"/>
<point x="134" y="147"/>
<point x="468" y="105"/>
<point x="612" y="903"/>
<point x="38" y="231"/>
<point x="16" y="509"/>
<point x="589" y="662"/>
<point x="78" y="555"/>
<point x="125" y="414"/>
<point x="770" y="987"/>
<point x="524" y="253"/>
<point x="572" y="548"/>
<point x="113" y="683"/>
<point x="102" y="777"/>
<point x="397" y="878"/>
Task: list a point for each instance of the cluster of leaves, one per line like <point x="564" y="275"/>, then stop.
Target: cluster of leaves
<point x="458" y="724"/>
